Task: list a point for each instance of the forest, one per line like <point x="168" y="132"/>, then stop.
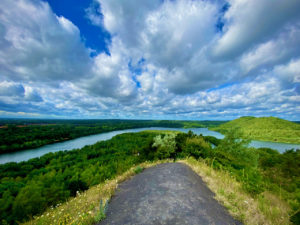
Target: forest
<point x="20" y="134"/>
<point x="28" y="188"/>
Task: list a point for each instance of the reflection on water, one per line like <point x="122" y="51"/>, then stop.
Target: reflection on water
<point x="92" y="139"/>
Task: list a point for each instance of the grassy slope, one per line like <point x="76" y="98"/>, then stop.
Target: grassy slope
<point x="84" y="208"/>
<point x="263" y="209"/>
<point x="264" y="129"/>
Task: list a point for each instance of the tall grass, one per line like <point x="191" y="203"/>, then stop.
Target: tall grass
<point x="265" y="208"/>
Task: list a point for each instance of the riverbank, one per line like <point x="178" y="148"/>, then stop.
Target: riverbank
<point x="18" y="135"/>
<point x="92" y="139"/>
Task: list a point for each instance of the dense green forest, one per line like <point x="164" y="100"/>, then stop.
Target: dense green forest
<point x="28" y="188"/>
<point x="264" y="129"/>
<point x="21" y="134"/>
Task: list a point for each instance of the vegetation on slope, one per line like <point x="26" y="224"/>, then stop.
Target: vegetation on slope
<point x="29" y="188"/>
<point x="89" y="206"/>
<point x="25" y="134"/>
<point x="56" y="177"/>
<point x="264" y="129"/>
<point x="264" y="209"/>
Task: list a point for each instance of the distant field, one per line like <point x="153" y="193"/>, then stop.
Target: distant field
<point x="264" y="129"/>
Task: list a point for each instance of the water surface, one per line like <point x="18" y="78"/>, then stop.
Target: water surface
<point x="92" y="139"/>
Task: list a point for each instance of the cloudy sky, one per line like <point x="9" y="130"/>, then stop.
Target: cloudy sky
<point x="150" y="59"/>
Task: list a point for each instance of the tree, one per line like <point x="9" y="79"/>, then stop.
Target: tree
<point x="165" y="147"/>
<point x="77" y="185"/>
<point x="237" y="149"/>
<point x="28" y="202"/>
<point x="196" y="147"/>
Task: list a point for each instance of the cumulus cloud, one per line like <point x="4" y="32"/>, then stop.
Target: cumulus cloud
<point x="172" y="36"/>
<point x="122" y="19"/>
<point x="94" y="15"/>
<point x="166" y="59"/>
<point x="32" y="95"/>
<point x="273" y="52"/>
<point x="248" y="23"/>
<point x="289" y="74"/>
<point x="110" y="75"/>
<point x="38" y="45"/>
<point x="11" y="89"/>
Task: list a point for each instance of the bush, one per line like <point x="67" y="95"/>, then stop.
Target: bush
<point x="77" y="185"/>
<point x="196" y="147"/>
<point x="165" y="146"/>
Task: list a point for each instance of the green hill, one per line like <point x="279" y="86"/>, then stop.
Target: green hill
<point x="264" y="129"/>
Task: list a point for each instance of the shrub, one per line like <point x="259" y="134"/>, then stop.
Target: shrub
<point x="165" y="146"/>
<point x="196" y="147"/>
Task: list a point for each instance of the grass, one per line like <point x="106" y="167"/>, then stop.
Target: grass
<point x="264" y="129"/>
<point x="266" y="208"/>
<point x="88" y="207"/>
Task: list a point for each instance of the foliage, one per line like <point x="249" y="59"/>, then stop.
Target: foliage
<point x="28" y="188"/>
<point x="196" y="147"/>
<point x="212" y="140"/>
<point x="236" y="149"/>
<point x="257" y="170"/>
<point x="265" y="208"/>
<point x="102" y="210"/>
<point x="264" y="129"/>
<point x="282" y="174"/>
<point x="165" y="146"/>
<point x="87" y="207"/>
<point x="232" y="154"/>
<point x="55" y="177"/>
<point x="25" y="134"/>
<point x="138" y="169"/>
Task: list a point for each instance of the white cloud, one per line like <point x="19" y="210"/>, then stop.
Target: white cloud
<point x="126" y="19"/>
<point x="146" y="80"/>
<point x="11" y="89"/>
<point x="248" y="23"/>
<point x="93" y="14"/>
<point x="161" y="61"/>
<point x="275" y="51"/>
<point x="172" y="36"/>
<point x="289" y="73"/>
<point x="32" y="95"/>
<point x="177" y="31"/>
<point x="110" y="75"/>
<point x="39" y="45"/>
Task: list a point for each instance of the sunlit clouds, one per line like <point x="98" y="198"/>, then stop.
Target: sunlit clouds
<point x="182" y="59"/>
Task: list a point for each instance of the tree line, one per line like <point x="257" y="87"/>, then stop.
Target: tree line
<point x="23" y="134"/>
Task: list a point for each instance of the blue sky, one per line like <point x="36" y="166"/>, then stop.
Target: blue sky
<point x="179" y="59"/>
<point x="94" y="37"/>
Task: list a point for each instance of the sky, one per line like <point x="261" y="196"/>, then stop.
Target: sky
<point x="142" y="59"/>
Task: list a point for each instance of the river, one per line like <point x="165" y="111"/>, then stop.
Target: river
<point x="92" y="139"/>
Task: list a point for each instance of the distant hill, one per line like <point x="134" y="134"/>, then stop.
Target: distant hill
<point x="264" y="129"/>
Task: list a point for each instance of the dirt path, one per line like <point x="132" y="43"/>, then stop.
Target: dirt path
<point x="169" y="193"/>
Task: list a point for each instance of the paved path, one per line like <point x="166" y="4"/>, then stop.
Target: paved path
<point x="170" y="193"/>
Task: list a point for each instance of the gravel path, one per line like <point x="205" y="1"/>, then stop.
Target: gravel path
<point x="169" y="193"/>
